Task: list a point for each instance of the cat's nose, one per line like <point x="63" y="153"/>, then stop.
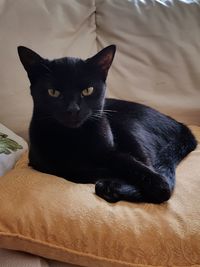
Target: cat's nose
<point x="73" y="108"/>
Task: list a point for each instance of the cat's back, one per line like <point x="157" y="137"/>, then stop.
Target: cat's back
<point x="124" y="111"/>
<point x="141" y="126"/>
<point x="144" y="123"/>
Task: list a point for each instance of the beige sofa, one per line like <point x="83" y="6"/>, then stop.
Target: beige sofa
<point x="157" y="61"/>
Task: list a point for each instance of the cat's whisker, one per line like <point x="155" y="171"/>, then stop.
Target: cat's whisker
<point x="107" y="114"/>
<point x="93" y="118"/>
<point x="100" y="113"/>
<point x="109" y="110"/>
<point x="96" y="116"/>
<point x="106" y="110"/>
<point x="97" y="113"/>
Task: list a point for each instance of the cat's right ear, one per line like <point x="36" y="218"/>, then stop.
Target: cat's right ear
<point x="28" y="58"/>
<point x="103" y="60"/>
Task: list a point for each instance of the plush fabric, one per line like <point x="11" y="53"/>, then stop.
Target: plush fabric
<point x="57" y="219"/>
<point x="157" y="60"/>
<point x="12" y="147"/>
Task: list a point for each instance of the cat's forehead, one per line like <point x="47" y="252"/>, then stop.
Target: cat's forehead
<point x="70" y="72"/>
<point x="70" y="65"/>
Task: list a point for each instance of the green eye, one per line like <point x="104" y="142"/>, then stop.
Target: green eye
<point x="53" y="93"/>
<point x="88" y="91"/>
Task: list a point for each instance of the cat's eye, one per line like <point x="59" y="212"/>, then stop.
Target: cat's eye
<point x="53" y="93"/>
<point x="88" y="91"/>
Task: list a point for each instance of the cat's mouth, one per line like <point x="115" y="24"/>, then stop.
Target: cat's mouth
<point x="71" y="122"/>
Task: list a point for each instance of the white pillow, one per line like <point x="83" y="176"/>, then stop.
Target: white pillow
<point x="12" y="147"/>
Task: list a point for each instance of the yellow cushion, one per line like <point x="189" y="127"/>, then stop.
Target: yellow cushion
<point x="51" y="217"/>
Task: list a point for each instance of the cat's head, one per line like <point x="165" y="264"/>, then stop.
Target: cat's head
<point x="69" y="90"/>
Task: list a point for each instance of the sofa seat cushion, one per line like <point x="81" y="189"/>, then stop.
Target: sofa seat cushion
<point x="57" y="219"/>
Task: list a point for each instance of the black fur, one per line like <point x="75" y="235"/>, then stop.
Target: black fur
<point x="129" y="150"/>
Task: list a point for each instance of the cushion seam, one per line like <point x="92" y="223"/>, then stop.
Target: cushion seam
<point x="36" y="241"/>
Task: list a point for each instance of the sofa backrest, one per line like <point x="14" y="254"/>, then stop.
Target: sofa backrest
<point x="157" y="61"/>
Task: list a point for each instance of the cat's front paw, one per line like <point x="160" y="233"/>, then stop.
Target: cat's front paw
<point x="107" y="190"/>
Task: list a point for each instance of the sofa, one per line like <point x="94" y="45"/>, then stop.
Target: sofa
<point x="157" y="63"/>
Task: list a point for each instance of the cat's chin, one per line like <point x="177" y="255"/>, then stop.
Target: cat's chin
<point x="72" y="124"/>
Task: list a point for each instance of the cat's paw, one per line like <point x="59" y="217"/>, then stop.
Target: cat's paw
<point x="108" y="190"/>
<point x="160" y="191"/>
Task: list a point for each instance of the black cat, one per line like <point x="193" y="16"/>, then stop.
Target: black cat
<point x="129" y="150"/>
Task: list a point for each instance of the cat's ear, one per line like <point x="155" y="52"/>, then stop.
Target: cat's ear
<point x="28" y="58"/>
<point x="103" y="60"/>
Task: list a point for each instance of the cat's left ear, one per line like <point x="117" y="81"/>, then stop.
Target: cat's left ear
<point x="28" y="58"/>
<point x="103" y="60"/>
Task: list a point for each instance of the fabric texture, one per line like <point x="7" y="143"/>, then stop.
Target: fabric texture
<point x="57" y="219"/>
<point x="157" y="60"/>
<point x="12" y="147"/>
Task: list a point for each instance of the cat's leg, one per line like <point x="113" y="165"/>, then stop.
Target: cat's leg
<point x="113" y="191"/>
<point x="139" y="182"/>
